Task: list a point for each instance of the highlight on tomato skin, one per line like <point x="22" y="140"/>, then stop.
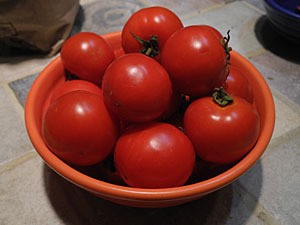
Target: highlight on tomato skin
<point x="238" y="85"/>
<point x="136" y="88"/>
<point x="196" y="60"/>
<point x="79" y="129"/>
<point x="87" y="55"/>
<point x="148" y="29"/>
<point x="222" y="134"/>
<point x="154" y="155"/>
<point x="75" y="85"/>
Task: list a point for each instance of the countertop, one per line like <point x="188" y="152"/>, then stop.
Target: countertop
<point x="269" y="193"/>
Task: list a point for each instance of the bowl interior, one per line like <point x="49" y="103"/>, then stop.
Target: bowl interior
<point x="53" y="75"/>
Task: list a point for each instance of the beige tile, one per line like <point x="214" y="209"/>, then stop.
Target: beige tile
<point x="275" y="181"/>
<point x="13" y="136"/>
<point x="238" y="17"/>
<point x="84" y="2"/>
<point x="186" y="8"/>
<point x="281" y="73"/>
<point x="19" y="67"/>
<point x="107" y="16"/>
<point x="25" y="200"/>
<point x="287" y="115"/>
<point x="257" y="3"/>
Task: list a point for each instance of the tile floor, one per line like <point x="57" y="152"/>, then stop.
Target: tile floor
<point x="269" y="193"/>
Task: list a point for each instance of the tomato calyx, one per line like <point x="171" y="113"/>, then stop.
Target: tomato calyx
<point x="149" y="47"/>
<point x="221" y="97"/>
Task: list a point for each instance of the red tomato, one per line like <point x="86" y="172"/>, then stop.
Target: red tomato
<point x="217" y="33"/>
<point x="136" y="88"/>
<point x="146" y="23"/>
<point x="155" y="155"/>
<point x="78" y="128"/>
<point x="238" y="85"/>
<point x="221" y="134"/>
<point x="195" y="60"/>
<point x="75" y="85"/>
<point x="87" y="55"/>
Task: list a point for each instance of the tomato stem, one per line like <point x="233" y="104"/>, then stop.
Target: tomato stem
<point x="221" y="97"/>
<point x="225" y="42"/>
<point x="149" y="47"/>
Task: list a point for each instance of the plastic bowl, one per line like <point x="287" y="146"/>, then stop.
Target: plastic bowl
<point x="284" y="17"/>
<point x="53" y="75"/>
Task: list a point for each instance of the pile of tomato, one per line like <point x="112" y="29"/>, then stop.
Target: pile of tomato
<point x="167" y="101"/>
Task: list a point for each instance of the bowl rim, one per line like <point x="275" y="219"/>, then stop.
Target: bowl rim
<point x="141" y="194"/>
<point x="279" y="8"/>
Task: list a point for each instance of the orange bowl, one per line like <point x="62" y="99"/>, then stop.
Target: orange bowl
<point x="53" y="75"/>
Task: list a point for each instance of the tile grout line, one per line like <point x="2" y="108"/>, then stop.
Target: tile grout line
<point x="256" y="52"/>
<point x="294" y="106"/>
<point x="213" y="7"/>
<point x="285" y="136"/>
<point x="9" y="165"/>
<point x="282" y="139"/>
<point x="253" y="7"/>
<point x="198" y="12"/>
<point x="259" y="211"/>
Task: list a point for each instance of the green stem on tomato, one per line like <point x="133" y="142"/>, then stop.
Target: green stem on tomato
<point x="221" y="97"/>
<point x="149" y="47"/>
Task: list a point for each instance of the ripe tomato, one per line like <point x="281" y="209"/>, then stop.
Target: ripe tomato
<point x="78" y="128"/>
<point x="146" y="23"/>
<point x="221" y="134"/>
<point x="136" y="88"/>
<point x="87" y="55"/>
<point x="195" y="60"/>
<point x="217" y="33"/>
<point x="154" y="155"/>
<point x="75" y="85"/>
<point x="238" y="85"/>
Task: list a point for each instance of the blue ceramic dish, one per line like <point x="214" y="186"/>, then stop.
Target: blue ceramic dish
<point x="285" y="16"/>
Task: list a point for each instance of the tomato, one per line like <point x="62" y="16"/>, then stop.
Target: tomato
<point x="75" y="85"/>
<point x="136" y="88"/>
<point x="196" y="60"/>
<point x="87" y="55"/>
<point x="217" y="33"/>
<point x="78" y="128"/>
<point x="237" y="84"/>
<point x="146" y="23"/>
<point x="154" y="155"/>
<point x="221" y="134"/>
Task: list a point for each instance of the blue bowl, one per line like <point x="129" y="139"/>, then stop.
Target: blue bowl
<point x="285" y="16"/>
